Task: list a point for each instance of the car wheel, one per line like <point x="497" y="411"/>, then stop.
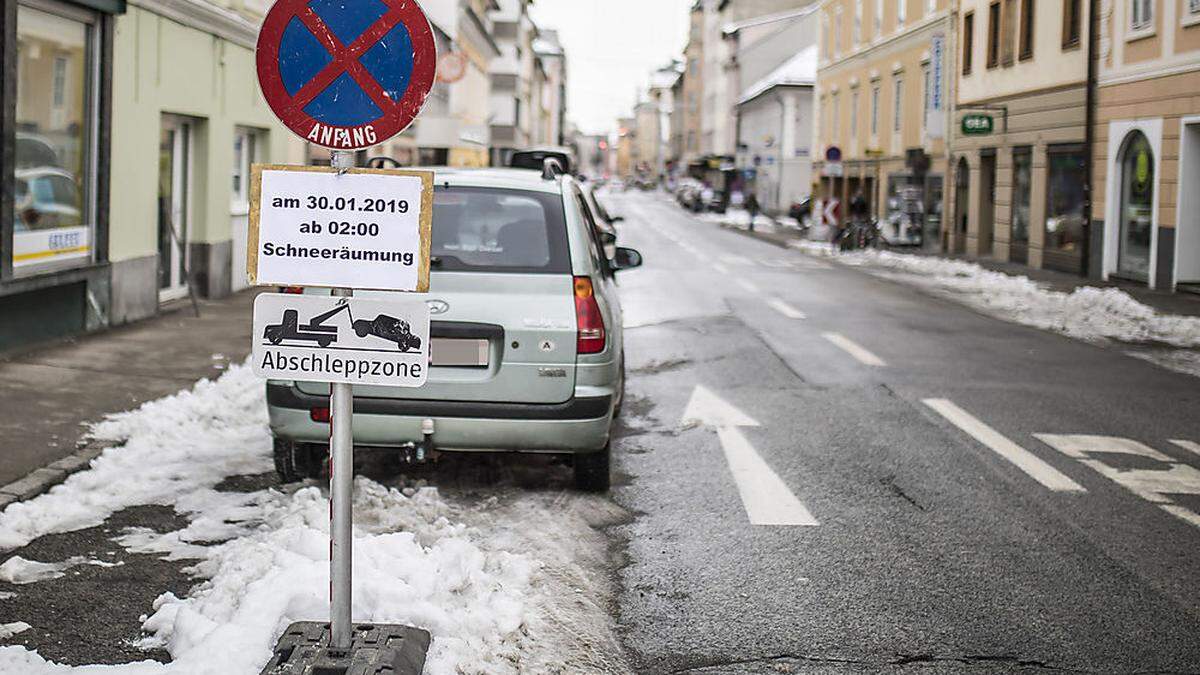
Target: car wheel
<point x="592" y="470"/>
<point x="297" y="461"/>
<point x="274" y="337"/>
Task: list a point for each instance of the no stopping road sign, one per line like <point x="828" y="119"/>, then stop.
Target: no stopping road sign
<point x="346" y="74"/>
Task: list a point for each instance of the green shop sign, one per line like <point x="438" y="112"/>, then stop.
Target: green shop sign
<point x="977" y="125"/>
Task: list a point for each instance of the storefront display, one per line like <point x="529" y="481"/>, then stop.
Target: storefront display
<point x="1065" y="199"/>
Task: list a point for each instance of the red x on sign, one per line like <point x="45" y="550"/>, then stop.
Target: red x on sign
<point x="346" y="74"/>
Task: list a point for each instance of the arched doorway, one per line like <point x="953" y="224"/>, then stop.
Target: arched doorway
<point x="1135" y="215"/>
<point x="962" y="192"/>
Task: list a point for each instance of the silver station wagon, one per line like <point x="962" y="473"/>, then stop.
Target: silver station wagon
<point x="526" y="351"/>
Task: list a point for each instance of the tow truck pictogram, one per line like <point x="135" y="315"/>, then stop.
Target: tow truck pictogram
<point x="313" y="331"/>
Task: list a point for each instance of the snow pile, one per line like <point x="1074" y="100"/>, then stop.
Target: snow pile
<point x="1087" y="313"/>
<point x="8" y="630"/>
<point x="174" y="449"/>
<point x="18" y="570"/>
<point x="522" y="590"/>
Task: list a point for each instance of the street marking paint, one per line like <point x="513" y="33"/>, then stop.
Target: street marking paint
<point x="1190" y="446"/>
<point x="747" y="285"/>
<point x="766" y="498"/>
<point x="1024" y="460"/>
<point x="1153" y="485"/>
<point x="854" y="349"/>
<point x="785" y="309"/>
<point x="721" y="269"/>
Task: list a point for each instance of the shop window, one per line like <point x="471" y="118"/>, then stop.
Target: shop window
<point x="1072" y="22"/>
<point x="1026" y="29"/>
<point x="968" y="40"/>
<point x="54" y="213"/>
<point x="1021" y="190"/>
<point x="1136" y="215"/>
<point x="1065" y="178"/>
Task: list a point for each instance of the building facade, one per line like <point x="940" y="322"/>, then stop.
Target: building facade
<point x="1018" y="141"/>
<point x="160" y="94"/>
<point x="777" y="58"/>
<point x="880" y="132"/>
<point x="1145" y="214"/>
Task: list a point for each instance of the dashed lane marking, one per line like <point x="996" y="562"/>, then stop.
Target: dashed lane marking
<point x="1024" y="460"/>
<point x="854" y="349"/>
<point x="785" y="309"/>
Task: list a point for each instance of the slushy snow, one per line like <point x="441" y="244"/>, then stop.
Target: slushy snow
<point x="508" y="585"/>
<point x="1087" y="313"/>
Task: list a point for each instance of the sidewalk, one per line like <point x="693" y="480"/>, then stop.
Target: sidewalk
<point x="55" y="390"/>
<point x="1164" y="302"/>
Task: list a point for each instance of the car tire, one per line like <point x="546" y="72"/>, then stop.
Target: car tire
<point x="296" y="461"/>
<point x="593" y="470"/>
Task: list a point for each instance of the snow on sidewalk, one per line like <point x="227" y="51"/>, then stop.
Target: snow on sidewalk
<point x="504" y="586"/>
<point x="1087" y="313"/>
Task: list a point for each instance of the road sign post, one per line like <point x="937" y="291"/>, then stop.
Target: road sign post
<point x="341" y="487"/>
<point x="345" y="76"/>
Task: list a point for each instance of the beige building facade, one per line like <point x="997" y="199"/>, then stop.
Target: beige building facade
<point x="876" y="132"/>
<point x="1146" y="156"/>
<point x="1018" y="152"/>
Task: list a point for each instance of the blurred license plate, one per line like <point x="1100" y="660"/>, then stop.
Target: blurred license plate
<point x="458" y="352"/>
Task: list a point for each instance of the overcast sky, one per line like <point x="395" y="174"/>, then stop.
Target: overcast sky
<point x="612" y="46"/>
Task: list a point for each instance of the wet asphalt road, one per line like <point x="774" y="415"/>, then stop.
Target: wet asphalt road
<point x="934" y="552"/>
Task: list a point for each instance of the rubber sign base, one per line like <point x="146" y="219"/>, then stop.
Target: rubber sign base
<point x="376" y="649"/>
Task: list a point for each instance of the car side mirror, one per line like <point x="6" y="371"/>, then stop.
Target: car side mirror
<point x="608" y="238"/>
<point x="626" y="259"/>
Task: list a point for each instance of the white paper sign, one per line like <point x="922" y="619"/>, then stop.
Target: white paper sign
<point x="321" y="338"/>
<point x="367" y="228"/>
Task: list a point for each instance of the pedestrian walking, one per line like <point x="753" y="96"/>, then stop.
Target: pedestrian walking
<point x="752" y="207"/>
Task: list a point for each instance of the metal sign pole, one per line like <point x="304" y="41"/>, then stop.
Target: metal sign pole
<point x="341" y="486"/>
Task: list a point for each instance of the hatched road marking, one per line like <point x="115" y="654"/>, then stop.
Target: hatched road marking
<point x="1024" y="460"/>
<point x="854" y="349"/>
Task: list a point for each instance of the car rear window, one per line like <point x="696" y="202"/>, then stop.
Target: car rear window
<point x="498" y="230"/>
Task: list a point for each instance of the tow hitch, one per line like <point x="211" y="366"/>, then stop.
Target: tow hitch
<point x="417" y="453"/>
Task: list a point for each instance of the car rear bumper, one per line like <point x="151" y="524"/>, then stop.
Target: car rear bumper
<point x="580" y="424"/>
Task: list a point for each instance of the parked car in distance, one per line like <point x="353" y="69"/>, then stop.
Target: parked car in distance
<point x="526" y="345"/>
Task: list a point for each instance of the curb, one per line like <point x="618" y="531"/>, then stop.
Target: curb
<point x="41" y="480"/>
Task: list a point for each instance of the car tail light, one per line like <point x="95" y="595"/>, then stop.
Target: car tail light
<point x="293" y="290"/>
<point x="320" y="415"/>
<point x="590" y="337"/>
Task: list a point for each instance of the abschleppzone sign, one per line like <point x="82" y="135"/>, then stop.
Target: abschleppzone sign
<point x="359" y="228"/>
<point x="321" y="338"/>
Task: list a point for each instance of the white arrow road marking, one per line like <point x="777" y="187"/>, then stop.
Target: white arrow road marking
<point x="998" y="443"/>
<point x="747" y="285"/>
<point x="1191" y="446"/>
<point x="854" y="349"/>
<point x="1153" y="485"/>
<point x="765" y="496"/>
<point x="785" y="309"/>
